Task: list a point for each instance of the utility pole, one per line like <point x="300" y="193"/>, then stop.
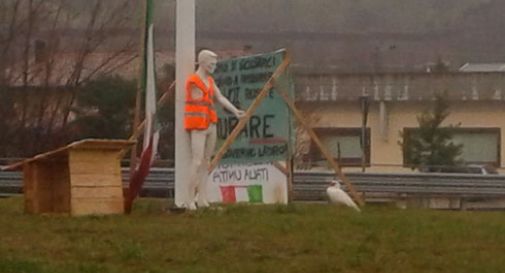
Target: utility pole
<point x="364" y="104"/>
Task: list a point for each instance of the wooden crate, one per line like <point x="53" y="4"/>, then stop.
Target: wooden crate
<point x="82" y="178"/>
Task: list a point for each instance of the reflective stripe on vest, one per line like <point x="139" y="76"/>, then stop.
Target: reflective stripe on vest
<point x="199" y="113"/>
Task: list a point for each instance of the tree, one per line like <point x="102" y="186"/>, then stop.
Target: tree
<point x="430" y="145"/>
<point x="104" y="109"/>
<point x="49" y="49"/>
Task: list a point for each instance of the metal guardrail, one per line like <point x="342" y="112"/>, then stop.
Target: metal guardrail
<point x="159" y="183"/>
<point x="10" y="183"/>
<point x="310" y="185"/>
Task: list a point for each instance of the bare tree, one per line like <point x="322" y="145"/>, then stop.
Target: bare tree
<point x="33" y="12"/>
<point x="33" y="85"/>
<point x="48" y="61"/>
<point x="7" y="38"/>
<point x="97" y="32"/>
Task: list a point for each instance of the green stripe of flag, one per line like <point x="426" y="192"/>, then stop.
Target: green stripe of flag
<point x="255" y="193"/>
<point x="147" y="24"/>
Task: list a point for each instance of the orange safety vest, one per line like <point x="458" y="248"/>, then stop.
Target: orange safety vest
<point x="199" y="113"/>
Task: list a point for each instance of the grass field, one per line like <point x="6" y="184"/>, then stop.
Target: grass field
<point x="295" y="238"/>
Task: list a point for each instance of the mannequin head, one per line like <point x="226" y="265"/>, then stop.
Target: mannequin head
<point x="207" y="61"/>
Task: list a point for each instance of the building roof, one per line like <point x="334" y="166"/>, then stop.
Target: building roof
<point x="483" y="67"/>
<point x="474" y="86"/>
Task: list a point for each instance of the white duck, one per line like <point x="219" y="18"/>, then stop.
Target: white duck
<point x="337" y="196"/>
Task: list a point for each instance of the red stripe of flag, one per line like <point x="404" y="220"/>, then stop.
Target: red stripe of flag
<point x="139" y="176"/>
<point x="228" y="194"/>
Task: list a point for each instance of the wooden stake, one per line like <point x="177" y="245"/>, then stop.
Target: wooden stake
<point x="229" y="140"/>
<point x="321" y="147"/>
<point x="140" y="128"/>
<point x="281" y="168"/>
<point x="289" y="165"/>
<point x="254" y="105"/>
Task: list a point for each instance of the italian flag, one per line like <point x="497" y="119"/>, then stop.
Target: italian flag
<point x="151" y="126"/>
<point x="249" y="193"/>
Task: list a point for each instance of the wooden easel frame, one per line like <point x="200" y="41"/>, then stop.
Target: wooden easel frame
<point x="299" y="117"/>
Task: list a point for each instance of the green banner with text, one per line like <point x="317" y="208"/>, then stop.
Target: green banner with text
<point x="267" y="135"/>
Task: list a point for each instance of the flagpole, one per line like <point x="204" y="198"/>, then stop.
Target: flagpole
<point x="151" y="127"/>
<point x="139" y="130"/>
<point x="184" y="66"/>
<point x="138" y="96"/>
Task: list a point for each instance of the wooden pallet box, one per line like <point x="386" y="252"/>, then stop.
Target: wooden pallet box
<point x="83" y="178"/>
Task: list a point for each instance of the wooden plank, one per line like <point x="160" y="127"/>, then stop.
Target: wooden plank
<point x="93" y="162"/>
<point x="60" y="186"/>
<point x="77" y="168"/>
<point x="29" y="188"/>
<point x="280" y="167"/>
<point x="103" y="144"/>
<point x="320" y="145"/>
<point x="43" y="195"/>
<point x="60" y="152"/>
<point x="96" y="180"/>
<point x="86" y="206"/>
<point x="46" y="186"/>
<point x="106" y="144"/>
<point x="109" y="192"/>
<point x="289" y="176"/>
<point x="92" y="155"/>
<point x="40" y="200"/>
<point x="140" y="128"/>
<point x="250" y="111"/>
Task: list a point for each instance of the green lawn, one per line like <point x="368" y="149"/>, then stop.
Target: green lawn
<point x="296" y="238"/>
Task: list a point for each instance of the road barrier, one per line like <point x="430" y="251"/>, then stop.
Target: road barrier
<point x="311" y="185"/>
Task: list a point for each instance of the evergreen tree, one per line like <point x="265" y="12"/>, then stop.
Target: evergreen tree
<point x="104" y="109"/>
<point x="430" y="146"/>
<point x="166" y="113"/>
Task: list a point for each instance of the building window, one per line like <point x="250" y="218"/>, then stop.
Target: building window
<point x="480" y="145"/>
<point x="347" y="141"/>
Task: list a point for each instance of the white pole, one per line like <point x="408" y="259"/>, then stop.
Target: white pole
<point x="184" y="66"/>
<point x="383" y="121"/>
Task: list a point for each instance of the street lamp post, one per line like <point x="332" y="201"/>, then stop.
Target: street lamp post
<point x="364" y="104"/>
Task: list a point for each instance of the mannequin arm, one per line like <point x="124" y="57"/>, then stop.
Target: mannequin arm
<point x="227" y="104"/>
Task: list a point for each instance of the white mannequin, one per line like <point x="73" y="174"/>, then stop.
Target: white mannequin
<point x="203" y="141"/>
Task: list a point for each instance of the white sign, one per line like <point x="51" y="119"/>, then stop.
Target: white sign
<point x="253" y="183"/>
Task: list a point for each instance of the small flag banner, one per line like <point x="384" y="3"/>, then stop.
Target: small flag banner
<point x="234" y="194"/>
